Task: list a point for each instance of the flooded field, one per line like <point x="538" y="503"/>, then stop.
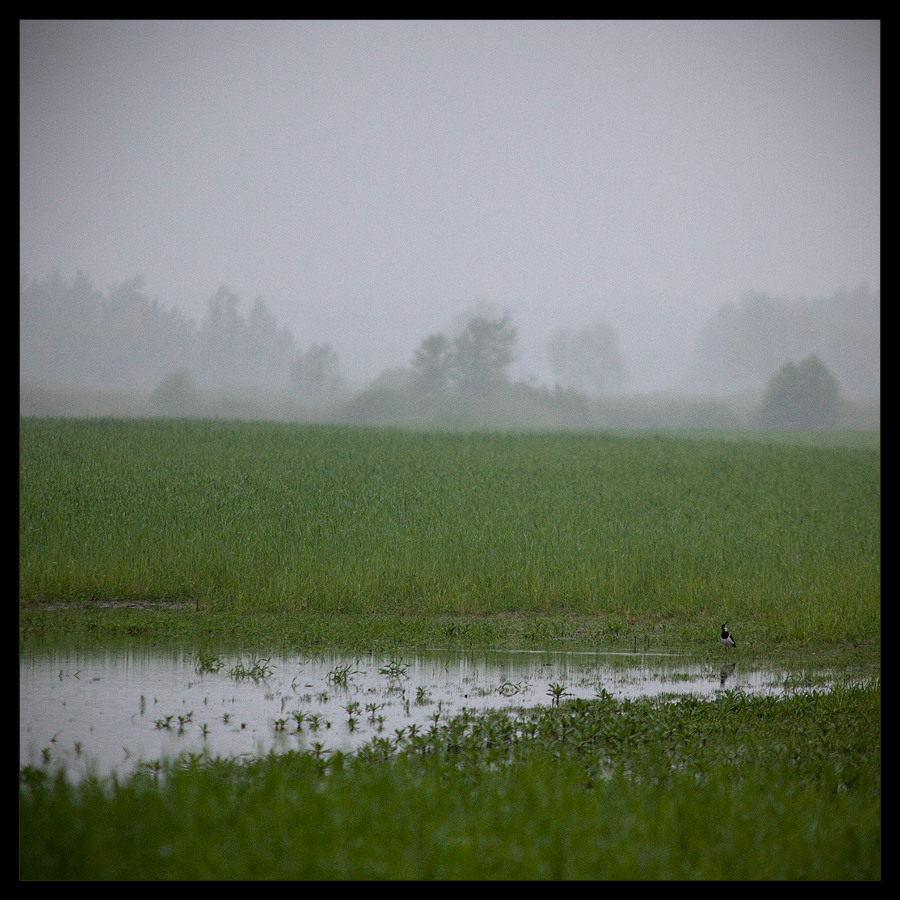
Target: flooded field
<point x="105" y="711"/>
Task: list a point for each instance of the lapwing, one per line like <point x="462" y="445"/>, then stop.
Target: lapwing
<point x="727" y="639"/>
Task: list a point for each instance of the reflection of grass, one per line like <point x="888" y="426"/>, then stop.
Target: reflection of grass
<point x="510" y="689"/>
<point x="655" y="538"/>
<point x="589" y="789"/>
<point x="206" y="661"/>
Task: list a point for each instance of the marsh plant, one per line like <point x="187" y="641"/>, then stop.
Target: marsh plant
<point x="556" y="692"/>
<point x="394" y="669"/>
<point x="340" y="675"/>
<point x="184" y="720"/>
<point x="208" y="662"/>
<point x="255" y="670"/>
<point x="423" y="696"/>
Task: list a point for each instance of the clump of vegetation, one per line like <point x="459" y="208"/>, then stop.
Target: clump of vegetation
<point x="394" y="669"/>
<point x="340" y="675"/>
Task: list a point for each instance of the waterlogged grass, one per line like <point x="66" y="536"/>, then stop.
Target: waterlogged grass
<point x="276" y="536"/>
<point x="736" y="788"/>
<point x="278" y="518"/>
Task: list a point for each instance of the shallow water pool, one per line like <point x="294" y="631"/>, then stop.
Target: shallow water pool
<point x="110" y="711"/>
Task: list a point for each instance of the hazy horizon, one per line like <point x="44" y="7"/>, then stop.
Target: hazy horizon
<point x="372" y="180"/>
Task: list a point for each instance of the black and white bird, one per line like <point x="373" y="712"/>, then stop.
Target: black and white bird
<point x="727" y="639"/>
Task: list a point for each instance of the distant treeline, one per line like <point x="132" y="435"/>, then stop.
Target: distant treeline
<point x="71" y="334"/>
<point x="126" y="353"/>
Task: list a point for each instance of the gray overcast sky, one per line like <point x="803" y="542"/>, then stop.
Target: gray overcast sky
<point x="370" y="180"/>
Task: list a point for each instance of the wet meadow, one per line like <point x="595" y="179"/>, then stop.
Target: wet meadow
<point x="255" y="539"/>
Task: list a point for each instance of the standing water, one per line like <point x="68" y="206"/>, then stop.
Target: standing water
<point x="97" y="712"/>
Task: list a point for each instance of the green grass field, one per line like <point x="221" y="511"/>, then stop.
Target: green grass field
<point x="354" y="537"/>
<point x="243" y="517"/>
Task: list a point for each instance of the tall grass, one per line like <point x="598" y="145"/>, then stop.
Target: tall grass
<point x="280" y="517"/>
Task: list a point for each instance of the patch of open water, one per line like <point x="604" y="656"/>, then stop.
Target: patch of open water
<point x="108" y="711"/>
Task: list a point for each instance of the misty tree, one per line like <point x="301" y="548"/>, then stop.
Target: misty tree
<point x="220" y="337"/>
<point x="176" y="394"/>
<point x="742" y="344"/>
<point x="316" y="375"/>
<point x="235" y="351"/>
<point x="269" y="347"/>
<point x="71" y="334"/>
<point x="482" y="354"/>
<point x="140" y="340"/>
<point x="588" y="360"/>
<point x="851" y="340"/>
<point x="58" y="331"/>
<point x="477" y="360"/>
<point x="432" y="364"/>
<point x="804" y="395"/>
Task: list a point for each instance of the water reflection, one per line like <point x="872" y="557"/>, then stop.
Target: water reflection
<point x="726" y="672"/>
<point x="103" y="711"/>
